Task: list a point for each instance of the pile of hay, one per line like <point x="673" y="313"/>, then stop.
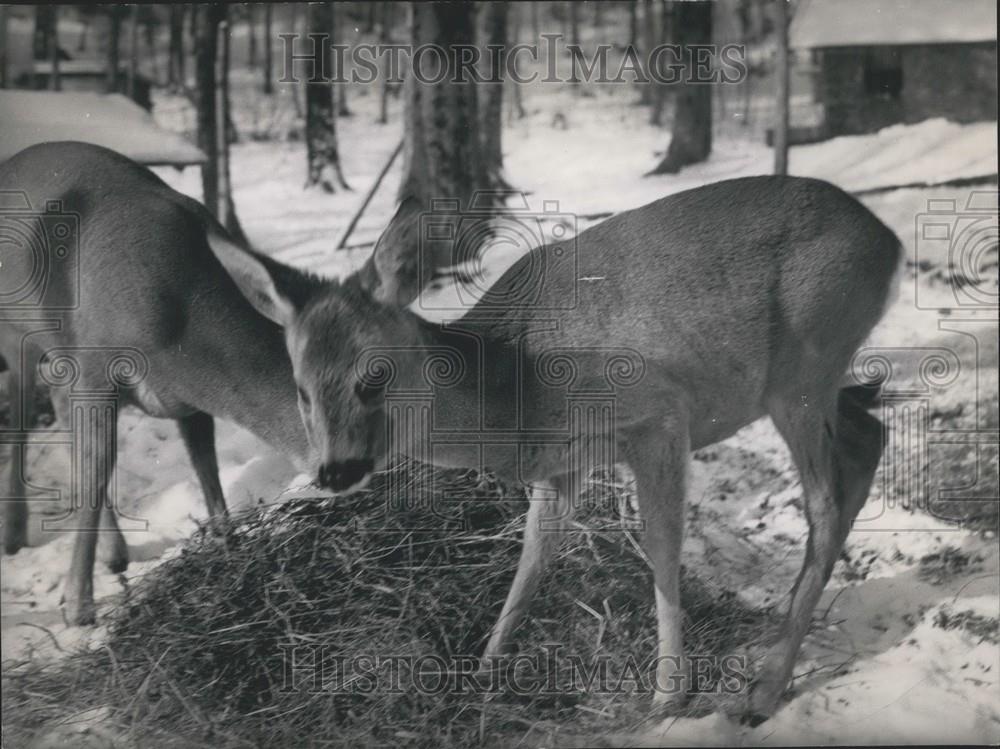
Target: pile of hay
<point x="218" y="645"/>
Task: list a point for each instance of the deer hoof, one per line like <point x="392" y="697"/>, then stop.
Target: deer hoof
<point x="114" y="554"/>
<point x="80" y="613"/>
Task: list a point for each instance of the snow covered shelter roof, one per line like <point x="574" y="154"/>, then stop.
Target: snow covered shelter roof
<point x="109" y="120"/>
<point x="858" y="23"/>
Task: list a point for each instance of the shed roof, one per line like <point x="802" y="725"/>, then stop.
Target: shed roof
<point x="109" y="120"/>
<point x="849" y="23"/>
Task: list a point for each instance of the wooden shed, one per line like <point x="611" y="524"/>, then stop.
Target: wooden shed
<point x="874" y="63"/>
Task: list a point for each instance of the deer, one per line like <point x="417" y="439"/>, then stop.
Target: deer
<point x="141" y="289"/>
<point x="702" y="312"/>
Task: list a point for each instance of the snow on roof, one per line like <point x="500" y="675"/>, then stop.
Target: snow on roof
<point x="848" y="23"/>
<point x="109" y="120"/>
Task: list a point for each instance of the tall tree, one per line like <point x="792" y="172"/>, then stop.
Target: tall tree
<point x="491" y="112"/>
<point x="691" y="136"/>
<point x="209" y="141"/>
<point x="340" y="89"/>
<point x="649" y="29"/>
<point x="323" y="156"/>
<point x="44" y="26"/>
<point x="3" y="46"/>
<point x="660" y="89"/>
<point x="86" y="14"/>
<point x="268" y="56"/>
<point x="133" y="50"/>
<point x="574" y="39"/>
<point x="517" y="94"/>
<point x="633" y="23"/>
<point x="252" y="37"/>
<point x="781" y="87"/>
<point x="442" y="153"/>
<point x="176" y="72"/>
<point x="384" y="37"/>
<point x="45" y="44"/>
<point x="115" y="13"/>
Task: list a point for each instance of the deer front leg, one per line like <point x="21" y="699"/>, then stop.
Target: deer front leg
<point x="658" y="456"/>
<point x="543" y="530"/>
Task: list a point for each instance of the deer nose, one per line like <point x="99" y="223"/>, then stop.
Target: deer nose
<point x="340" y="476"/>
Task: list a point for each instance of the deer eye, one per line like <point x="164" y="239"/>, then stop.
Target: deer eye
<point x="366" y="391"/>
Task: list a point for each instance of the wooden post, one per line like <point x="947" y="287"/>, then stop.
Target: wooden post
<point x="221" y="118"/>
<point x="780" y="138"/>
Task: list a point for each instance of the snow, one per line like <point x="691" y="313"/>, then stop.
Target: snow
<point x="881" y="670"/>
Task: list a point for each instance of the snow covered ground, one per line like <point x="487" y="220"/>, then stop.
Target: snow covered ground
<point x="899" y="654"/>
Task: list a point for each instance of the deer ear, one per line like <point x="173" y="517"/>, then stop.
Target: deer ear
<point x="393" y="273"/>
<point x="276" y="291"/>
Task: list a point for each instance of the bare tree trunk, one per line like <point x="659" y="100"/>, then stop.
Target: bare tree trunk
<point x="268" y="56"/>
<point x="114" y="43"/>
<point x="649" y="28"/>
<point x="224" y="198"/>
<point x="211" y="129"/>
<point x="3" y="46"/>
<point x="385" y="37"/>
<point x="633" y="23"/>
<point x="81" y="45"/>
<point x="252" y="33"/>
<point x="691" y="139"/>
<point x="41" y="43"/>
<point x="133" y="49"/>
<point x="340" y="89"/>
<point x="660" y="89"/>
<point x="149" y="35"/>
<point x="323" y="157"/>
<point x="443" y="159"/>
<point x="574" y="38"/>
<point x="297" y="87"/>
<point x="55" y="82"/>
<point x="517" y="98"/>
<point x="781" y="87"/>
<point x="176" y="73"/>
<point x="491" y="112"/>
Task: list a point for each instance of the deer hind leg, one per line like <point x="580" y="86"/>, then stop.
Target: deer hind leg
<point x="21" y="379"/>
<point x="95" y="451"/>
<point x="659" y="457"/>
<point x="548" y="511"/>
<point x="112" y="549"/>
<point x="198" y="433"/>
<point x="836" y="450"/>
